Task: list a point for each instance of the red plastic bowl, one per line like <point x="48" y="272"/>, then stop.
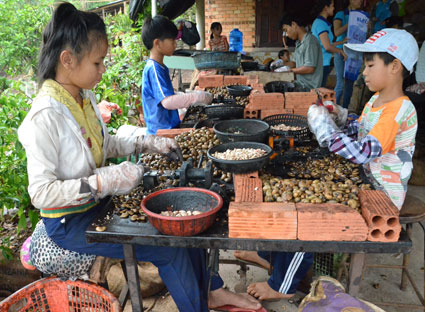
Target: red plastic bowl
<point x="182" y="198"/>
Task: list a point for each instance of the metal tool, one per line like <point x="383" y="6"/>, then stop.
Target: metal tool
<point x="187" y="173"/>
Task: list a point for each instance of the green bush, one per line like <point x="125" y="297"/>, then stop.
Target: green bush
<point x="14" y="105"/>
<point x="22" y="23"/>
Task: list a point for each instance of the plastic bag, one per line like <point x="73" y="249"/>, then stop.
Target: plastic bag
<point x="135" y="7"/>
<point x="174" y="8"/>
<point x="328" y="294"/>
<point x="321" y="124"/>
<point x="190" y="34"/>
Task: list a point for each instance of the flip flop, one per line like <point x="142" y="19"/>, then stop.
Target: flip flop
<point x="231" y="308"/>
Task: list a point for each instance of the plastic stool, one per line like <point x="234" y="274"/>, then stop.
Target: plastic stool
<point x="413" y="211"/>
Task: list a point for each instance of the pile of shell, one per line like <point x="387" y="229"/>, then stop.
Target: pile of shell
<point x="276" y="189"/>
<point x="194" y="114"/>
<point x="180" y="213"/>
<point x="221" y="92"/>
<point x="128" y="206"/>
<point x="329" y="168"/>
<point x="240" y="154"/>
<point x="283" y="127"/>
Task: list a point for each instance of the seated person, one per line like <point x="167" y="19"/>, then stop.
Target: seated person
<point x="217" y="41"/>
<point x="307" y="62"/>
<point x="282" y="61"/>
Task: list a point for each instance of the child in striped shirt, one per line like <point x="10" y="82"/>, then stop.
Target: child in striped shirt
<point x="383" y="138"/>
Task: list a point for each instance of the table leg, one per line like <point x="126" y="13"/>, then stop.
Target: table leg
<point x="180" y="83"/>
<point x="133" y="277"/>
<point x="355" y="274"/>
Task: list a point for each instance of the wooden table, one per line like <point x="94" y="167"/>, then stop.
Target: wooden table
<point x="130" y="234"/>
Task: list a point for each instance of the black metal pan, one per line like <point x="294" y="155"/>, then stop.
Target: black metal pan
<point x="240" y="166"/>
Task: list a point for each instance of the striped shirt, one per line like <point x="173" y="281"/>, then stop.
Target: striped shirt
<point x="385" y="144"/>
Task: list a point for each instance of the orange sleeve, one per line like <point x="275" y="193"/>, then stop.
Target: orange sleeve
<point x="386" y="128"/>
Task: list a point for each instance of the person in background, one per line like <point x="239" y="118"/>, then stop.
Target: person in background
<point x="382" y="11"/>
<point x="217" y="41"/>
<point x="160" y="108"/>
<point x="283" y="59"/>
<point x="160" y="104"/>
<point x="307" y="62"/>
<point x="67" y="145"/>
<point x="322" y="30"/>
<point x="383" y="138"/>
<point x="340" y="29"/>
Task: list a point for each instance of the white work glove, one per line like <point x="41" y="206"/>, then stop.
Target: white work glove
<point x="202" y="97"/>
<point x="157" y="144"/>
<point x="321" y="124"/>
<point x="116" y="179"/>
<point x="337" y="112"/>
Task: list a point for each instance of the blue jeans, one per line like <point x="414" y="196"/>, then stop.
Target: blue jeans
<point x="183" y="270"/>
<point x="348" y="92"/>
<point x="339" y="69"/>
<point x="288" y="269"/>
<point x="326" y="71"/>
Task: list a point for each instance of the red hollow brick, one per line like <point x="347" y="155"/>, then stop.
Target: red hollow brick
<point x="262" y="220"/>
<point x="381" y="215"/>
<point x="330" y="222"/>
<point x="266" y="101"/>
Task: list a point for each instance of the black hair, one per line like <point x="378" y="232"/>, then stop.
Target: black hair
<point x="282" y="53"/>
<point x="300" y="18"/>
<point x="215" y="25"/>
<point x="72" y="29"/>
<point x="159" y="27"/>
<point x="320" y="5"/>
<point x="386" y="58"/>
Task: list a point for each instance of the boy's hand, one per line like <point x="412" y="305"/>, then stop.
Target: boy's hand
<point x="203" y="97"/>
<point x="321" y="124"/>
<point x="339" y="113"/>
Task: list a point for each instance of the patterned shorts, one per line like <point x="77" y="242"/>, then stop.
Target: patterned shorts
<point x="51" y="259"/>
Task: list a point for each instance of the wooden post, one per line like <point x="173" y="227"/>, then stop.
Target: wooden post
<point x="200" y="23"/>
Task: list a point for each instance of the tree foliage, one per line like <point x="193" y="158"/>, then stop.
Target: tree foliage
<point x="22" y="23"/>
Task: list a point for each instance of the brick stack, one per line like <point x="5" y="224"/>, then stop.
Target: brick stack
<point x="248" y="188"/>
<point x="299" y="102"/>
<point x="230" y="80"/>
<point x="262" y="105"/>
<point x="210" y="81"/>
<point x="381" y="215"/>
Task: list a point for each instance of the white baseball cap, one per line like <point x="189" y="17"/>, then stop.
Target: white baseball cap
<point x="397" y="42"/>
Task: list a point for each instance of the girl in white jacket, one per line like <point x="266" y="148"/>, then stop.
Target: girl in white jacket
<point x="67" y="143"/>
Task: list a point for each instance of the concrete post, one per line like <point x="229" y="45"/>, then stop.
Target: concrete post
<point x="154" y="11"/>
<point x="200" y="23"/>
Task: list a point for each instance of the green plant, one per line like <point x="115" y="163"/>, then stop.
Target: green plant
<point x="122" y="80"/>
<point x="22" y="24"/>
<point x="14" y="105"/>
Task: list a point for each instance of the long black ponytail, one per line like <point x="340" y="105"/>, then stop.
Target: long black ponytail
<point x="68" y="28"/>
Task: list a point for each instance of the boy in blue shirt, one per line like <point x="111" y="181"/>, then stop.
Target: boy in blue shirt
<point x="160" y="104"/>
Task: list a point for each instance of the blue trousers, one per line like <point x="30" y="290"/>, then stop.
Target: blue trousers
<point x="183" y="270"/>
<point x="348" y="92"/>
<point x="288" y="269"/>
<point x="326" y="71"/>
<point x="339" y="70"/>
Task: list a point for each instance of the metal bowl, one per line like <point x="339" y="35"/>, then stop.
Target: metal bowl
<point x="251" y="130"/>
<point x="239" y="90"/>
<point x="182" y="198"/>
<point x="240" y="166"/>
